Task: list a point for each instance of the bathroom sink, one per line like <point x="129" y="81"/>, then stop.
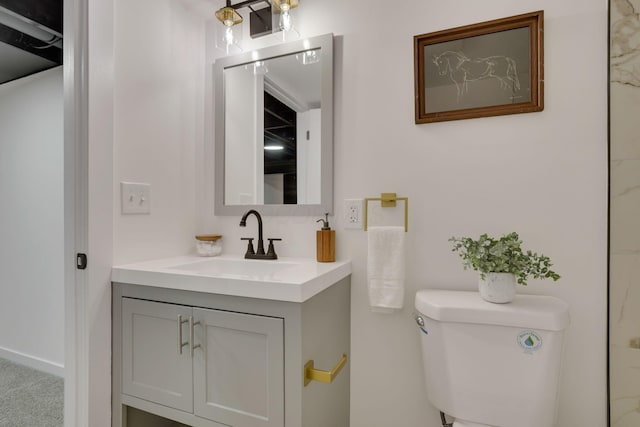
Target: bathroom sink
<point x="284" y="279"/>
<point x="237" y="267"/>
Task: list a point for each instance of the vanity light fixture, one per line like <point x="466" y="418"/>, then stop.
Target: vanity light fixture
<point x="260" y="21"/>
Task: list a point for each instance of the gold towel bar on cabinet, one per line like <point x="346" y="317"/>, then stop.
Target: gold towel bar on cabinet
<point x="388" y="200"/>
<point x="311" y="374"/>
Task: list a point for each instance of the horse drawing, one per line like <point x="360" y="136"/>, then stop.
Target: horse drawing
<point x="462" y="70"/>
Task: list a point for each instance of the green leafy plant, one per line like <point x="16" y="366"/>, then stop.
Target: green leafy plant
<point x="504" y="255"/>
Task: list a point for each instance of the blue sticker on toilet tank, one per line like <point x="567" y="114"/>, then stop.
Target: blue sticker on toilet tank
<point x="530" y="341"/>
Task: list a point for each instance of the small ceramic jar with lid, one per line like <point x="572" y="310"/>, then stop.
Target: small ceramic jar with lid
<point x="209" y="244"/>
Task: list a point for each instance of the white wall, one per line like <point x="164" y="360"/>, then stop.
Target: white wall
<point x="159" y="78"/>
<point x="31" y="221"/>
<point x="541" y="174"/>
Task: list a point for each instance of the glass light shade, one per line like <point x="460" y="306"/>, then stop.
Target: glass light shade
<point x="283" y="21"/>
<point x="283" y="5"/>
<point x="286" y="23"/>
<point x="229" y="38"/>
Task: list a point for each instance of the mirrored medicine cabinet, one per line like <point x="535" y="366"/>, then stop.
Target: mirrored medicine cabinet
<point x="274" y="129"/>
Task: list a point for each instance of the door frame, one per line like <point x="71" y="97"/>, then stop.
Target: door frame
<point x="88" y="223"/>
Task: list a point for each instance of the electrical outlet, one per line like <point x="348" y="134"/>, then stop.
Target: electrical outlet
<point x="353" y="211"/>
<point x="135" y="198"/>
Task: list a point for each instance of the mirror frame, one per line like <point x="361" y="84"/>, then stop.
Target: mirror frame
<point x="325" y="44"/>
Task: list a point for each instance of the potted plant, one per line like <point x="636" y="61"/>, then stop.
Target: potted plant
<point x="502" y="263"/>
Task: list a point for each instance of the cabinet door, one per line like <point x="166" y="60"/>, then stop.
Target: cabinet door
<point x="154" y="366"/>
<point x="239" y="369"/>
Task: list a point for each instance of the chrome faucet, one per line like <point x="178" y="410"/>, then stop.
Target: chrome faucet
<point x="259" y="253"/>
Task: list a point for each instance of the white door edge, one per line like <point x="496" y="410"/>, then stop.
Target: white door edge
<point x="76" y="389"/>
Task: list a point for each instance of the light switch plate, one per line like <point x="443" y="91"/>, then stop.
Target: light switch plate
<point x="135" y="198"/>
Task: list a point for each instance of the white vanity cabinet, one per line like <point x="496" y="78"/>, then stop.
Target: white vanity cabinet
<point x="182" y="357"/>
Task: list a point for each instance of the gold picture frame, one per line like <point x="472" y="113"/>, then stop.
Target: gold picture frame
<point x="487" y="69"/>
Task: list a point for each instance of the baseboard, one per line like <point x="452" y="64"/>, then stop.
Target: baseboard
<point x="32" y="362"/>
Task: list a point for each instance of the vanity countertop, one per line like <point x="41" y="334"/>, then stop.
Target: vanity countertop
<point x="285" y="279"/>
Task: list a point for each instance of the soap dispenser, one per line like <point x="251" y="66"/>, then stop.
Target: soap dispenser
<point x="326" y="242"/>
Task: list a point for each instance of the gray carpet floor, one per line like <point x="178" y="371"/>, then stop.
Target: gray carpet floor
<point x="29" y="398"/>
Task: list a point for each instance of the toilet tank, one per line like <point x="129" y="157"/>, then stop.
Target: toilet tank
<point x="495" y="364"/>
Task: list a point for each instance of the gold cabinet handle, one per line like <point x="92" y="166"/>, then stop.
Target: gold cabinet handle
<point x="311" y="374"/>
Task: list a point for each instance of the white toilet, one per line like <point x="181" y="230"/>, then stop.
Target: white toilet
<point x="491" y="364"/>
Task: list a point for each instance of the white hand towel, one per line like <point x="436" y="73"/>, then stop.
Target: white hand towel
<point x="385" y="268"/>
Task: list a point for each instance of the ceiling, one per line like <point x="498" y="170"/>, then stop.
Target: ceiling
<point x="30" y="37"/>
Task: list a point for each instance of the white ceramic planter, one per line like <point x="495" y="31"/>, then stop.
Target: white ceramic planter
<point x="498" y="287"/>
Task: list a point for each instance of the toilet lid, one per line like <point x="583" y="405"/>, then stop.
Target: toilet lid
<point x="525" y="311"/>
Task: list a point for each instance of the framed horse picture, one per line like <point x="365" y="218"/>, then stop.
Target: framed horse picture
<point x="480" y="70"/>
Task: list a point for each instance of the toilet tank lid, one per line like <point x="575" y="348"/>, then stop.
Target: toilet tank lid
<point x="525" y="311"/>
